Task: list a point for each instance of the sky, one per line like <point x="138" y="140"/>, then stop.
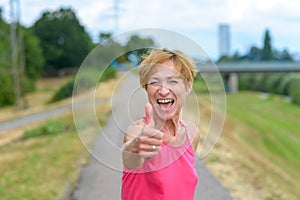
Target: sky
<point x="196" y="19"/>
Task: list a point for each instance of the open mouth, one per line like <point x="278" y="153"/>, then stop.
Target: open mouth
<point x="165" y="103"/>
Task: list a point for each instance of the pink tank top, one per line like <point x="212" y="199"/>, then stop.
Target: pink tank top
<point x="170" y="175"/>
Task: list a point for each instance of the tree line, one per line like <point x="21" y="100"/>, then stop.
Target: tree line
<point x="286" y="84"/>
<point x="266" y="53"/>
<point x="57" y="42"/>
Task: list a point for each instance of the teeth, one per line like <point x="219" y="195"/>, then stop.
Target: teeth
<point x="164" y="100"/>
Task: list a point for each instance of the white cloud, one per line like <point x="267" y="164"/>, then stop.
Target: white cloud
<point x="198" y="19"/>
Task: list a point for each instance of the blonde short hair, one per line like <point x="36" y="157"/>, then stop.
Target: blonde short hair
<point x="183" y="63"/>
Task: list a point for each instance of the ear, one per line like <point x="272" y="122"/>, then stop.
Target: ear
<point x="189" y="87"/>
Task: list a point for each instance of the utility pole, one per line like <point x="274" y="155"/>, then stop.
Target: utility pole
<point x="14" y="52"/>
<point x="22" y="60"/>
<point x="116" y="15"/>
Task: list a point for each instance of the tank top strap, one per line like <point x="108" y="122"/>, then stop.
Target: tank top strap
<point x="185" y="132"/>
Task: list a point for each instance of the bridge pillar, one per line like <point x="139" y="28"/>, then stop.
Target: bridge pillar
<point x="231" y="83"/>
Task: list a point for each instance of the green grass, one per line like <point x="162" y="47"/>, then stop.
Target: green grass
<point x="277" y="122"/>
<point x="275" y="133"/>
<point x="39" y="167"/>
<point x="44" y="165"/>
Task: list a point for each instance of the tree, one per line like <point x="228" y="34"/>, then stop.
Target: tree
<point x="283" y="55"/>
<point x="104" y="36"/>
<point x="33" y="55"/>
<point x="267" y="53"/>
<point x="136" y="47"/>
<point x="64" y="40"/>
<point x="34" y="62"/>
<point x="255" y="54"/>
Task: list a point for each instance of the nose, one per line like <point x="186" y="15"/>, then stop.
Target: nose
<point x="164" y="90"/>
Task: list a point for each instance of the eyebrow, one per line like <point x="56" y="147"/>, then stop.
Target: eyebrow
<point x="169" y="77"/>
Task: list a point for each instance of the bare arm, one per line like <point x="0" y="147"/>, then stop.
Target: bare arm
<point x="130" y="150"/>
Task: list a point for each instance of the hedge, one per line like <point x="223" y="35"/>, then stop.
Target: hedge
<point x="277" y="83"/>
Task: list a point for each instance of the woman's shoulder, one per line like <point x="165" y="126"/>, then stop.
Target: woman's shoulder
<point x="191" y="127"/>
<point x="193" y="133"/>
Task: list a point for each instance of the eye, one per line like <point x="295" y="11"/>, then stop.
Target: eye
<point x="154" y="83"/>
<point x="173" y="82"/>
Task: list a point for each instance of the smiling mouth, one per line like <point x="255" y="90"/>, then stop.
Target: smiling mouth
<point x="165" y="103"/>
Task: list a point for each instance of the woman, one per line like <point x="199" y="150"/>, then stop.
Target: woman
<point x="158" y="150"/>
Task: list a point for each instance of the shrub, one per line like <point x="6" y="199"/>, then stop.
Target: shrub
<point x="283" y="87"/>
<point x="272" y="82"/>
<point x="51" y="127"/>
<point x="64" y="92"/>
<point x="257" y="81"/>
<point x="7" y="96"/>
<point x="109" y="72"/>
<point x="294" y="91"/>
<point x="83" y="83"/>
<point x="199" y="85"/>
<point x="245" y="81"/>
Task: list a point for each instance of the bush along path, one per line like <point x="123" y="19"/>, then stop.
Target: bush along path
<point x="101" y="177"/>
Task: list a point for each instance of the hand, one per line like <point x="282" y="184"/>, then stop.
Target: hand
<point x="149" y="142"/>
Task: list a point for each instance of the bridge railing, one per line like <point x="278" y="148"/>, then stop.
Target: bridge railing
<point x="246" y="67"/>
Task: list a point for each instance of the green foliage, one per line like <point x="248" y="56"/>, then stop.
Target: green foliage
<point x="34" y="62"/>
<point x="64" y="40"/>
<point x="245" y="81"/>
<point x="137" y="47"/>
<point x="104" y="36"/>
<point x="276" y="83"/>
<point x="64" y="92"/>
<point x="199" y="85"/>
<point x="85" y="81"/>
<point x="6" y="89"/>
<point x="294" y="91"/>
<point x="33" y="55"/>
<point x="7" y="96"/>
<point x="283" y="87"/>
<point x="256" y="81"/>
<point x="270" y="82"/>
<point x="108" y="73"/>
<point x="267" y="53"/>
<point x="50" y="127"/>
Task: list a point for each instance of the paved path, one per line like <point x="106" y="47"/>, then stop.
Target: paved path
<point x="40" y="116"/>
<point x="101" y="177"/>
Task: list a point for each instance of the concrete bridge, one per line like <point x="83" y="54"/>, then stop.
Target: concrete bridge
<point x="232" y="69"/>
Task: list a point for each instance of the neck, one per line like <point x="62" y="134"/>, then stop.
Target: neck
<point x="171" y="126"/>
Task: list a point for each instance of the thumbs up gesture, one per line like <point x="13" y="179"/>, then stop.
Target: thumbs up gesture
<point x="150" y="139"/>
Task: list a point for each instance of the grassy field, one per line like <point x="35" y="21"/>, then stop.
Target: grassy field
<point x="46" y="167"/>
<point x="258" y="156"/>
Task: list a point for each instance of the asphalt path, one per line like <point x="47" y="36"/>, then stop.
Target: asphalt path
<point x="42" y="115"/>
<point x="101" y="177"/>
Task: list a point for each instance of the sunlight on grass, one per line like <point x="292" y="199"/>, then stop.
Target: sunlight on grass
<point x="47" y="165"/>
<point x="257" y="156"/>
<point x="44" y="165"/>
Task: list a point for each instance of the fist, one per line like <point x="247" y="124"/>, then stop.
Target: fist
<point x="150" y="140"/>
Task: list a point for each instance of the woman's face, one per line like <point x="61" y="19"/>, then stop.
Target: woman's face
<point x="167" y="90"/>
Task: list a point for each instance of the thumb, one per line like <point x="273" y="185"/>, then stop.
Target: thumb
<point x="149" y="115"/>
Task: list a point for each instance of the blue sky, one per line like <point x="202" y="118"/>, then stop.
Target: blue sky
<point x="196" y="19"/>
